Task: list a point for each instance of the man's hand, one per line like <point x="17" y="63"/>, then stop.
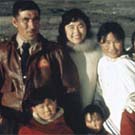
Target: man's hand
<point x="94" y="122"/>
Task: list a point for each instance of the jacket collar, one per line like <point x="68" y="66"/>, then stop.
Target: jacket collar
<point x="87" y="45"/>
<point x="38" y="45"/>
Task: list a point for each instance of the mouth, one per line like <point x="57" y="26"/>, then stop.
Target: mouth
<point x="32" y="32"/>
<point x="77" y="37"/>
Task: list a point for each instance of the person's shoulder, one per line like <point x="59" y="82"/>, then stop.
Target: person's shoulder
<point x="126" y="60"/>
<point x="54" y="48"/>
<point x="49" y="45"/>
<point x="9" y="41"/>
<point x="102" y="61"/>
<point x="54" y="45"/>
<point x="4" y="45"/>
<point x="4" y="48"/>
<point x="95" y="48"/>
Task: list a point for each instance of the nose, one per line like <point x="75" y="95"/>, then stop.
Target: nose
<point x="31" y="24"/>
<point x="46" y="108"/>
<point x="112" y="46"/>
<point x="76" y="30"/>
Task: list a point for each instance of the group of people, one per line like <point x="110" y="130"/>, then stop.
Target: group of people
<point x="73" y="86"/>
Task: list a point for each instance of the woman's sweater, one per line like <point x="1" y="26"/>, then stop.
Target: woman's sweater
<point x="86" y="56"/>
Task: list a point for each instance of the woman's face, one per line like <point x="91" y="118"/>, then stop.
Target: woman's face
<point x="76" y="31"/>
<point x="112" y="47"/>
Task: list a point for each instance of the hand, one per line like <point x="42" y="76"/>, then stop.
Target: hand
<point x="94" y="122"/>
<point x="130" y="103"/>
<point x="12" y="100"/>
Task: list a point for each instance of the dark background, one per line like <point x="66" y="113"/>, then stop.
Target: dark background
<point x="99" y="11"/>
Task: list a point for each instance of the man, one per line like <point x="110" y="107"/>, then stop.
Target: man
<point x="17" y="58"/>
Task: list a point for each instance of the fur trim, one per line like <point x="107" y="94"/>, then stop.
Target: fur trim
<point x="87" y="45"/>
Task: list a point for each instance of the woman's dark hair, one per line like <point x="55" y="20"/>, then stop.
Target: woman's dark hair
<point x="71" y="16"/>
<point x="108" y="27"/>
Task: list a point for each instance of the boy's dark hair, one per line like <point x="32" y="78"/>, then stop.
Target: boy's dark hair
<point x="108" y="27"/>
<point x="21" y="5"/>
<point x="71" y="16"/>
<point x="91" y="109"/>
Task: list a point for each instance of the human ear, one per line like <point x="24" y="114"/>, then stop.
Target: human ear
<point x="14" y="22"/>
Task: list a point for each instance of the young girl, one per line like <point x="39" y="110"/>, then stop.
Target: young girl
<point x="93" y="121"/>
<point x="116" y="76"/>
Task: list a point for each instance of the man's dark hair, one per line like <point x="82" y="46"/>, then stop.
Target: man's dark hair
<point x="21" y="5"/>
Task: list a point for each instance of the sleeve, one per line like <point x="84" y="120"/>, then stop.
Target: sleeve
<point x="68" y="71"/>
<point x="99" y="102"/>
<point x="1" y="82"/>
<point x="18" y="116"/>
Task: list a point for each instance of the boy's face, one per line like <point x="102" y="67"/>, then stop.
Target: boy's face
<point x="112" y="47"/>
<point x="46" y="110"/>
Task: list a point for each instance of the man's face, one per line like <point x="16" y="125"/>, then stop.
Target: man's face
<point x="27" y="24"/>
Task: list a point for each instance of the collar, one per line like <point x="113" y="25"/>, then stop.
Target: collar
<point x="118" y="58"/>
<point x="59" y="113"/>
<point x="20" y="41"/>
<point x="87" y="45"/>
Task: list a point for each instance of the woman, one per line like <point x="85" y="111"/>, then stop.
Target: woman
<point x="76" y="38"/>
<point x="117" y="80"/>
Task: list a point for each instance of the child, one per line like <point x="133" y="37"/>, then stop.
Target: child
<point x="116" y="73"/>
<point x="45" y="116"/>
<point x="93" y="121"/>
<point x="47" y="119"/>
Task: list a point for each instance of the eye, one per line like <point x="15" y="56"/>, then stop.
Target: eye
<point x="36" y="19"/>
<point x="70" y="27"/>
<point x="25" y="20"/>
<point x="108" y="42"/>
<point x="117" y="42"/>
<point x="81" y="26"/>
